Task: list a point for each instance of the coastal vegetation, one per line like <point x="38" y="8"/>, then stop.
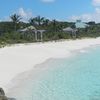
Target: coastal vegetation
<point x="10" y="30"/>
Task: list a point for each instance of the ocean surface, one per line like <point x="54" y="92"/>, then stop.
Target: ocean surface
<point x="74" y="78"/>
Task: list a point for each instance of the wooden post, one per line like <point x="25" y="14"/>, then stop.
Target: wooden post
<point x="36" y="35"/>
<point x="41" y="36"/>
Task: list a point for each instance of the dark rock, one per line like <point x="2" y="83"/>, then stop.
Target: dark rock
<point x="2" y="93"/>
<point x="3" y="97"/>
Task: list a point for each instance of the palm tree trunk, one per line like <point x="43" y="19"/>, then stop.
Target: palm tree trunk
<point x="15" y="27"/>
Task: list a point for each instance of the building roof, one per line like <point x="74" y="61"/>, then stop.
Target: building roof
<point x="68" y="29"/>
<point x="80" y="24"/>
<point x="31" y="28"/>
<point x="27" y="28"/>
<point x="41" y="31"/>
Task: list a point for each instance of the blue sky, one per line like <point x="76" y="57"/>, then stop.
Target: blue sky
<point x="69" y="10"/>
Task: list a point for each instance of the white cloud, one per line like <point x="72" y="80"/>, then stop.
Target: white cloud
<point x="48" y="1"/>
<point x="95" y="16"/>
<point x="96" y="2"/>
<point x="25" y="14"/>
<point x="97" y="10"/>
<point x="88" y="17"/>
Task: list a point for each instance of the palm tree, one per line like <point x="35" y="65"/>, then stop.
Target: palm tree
<point x="56" y="25"/>
<point x="39" y="20"/>
<point x="46" y="22"/>
<point x="15" y="19"/>
<point x="54" y="22"/>
<point x="32" y="21"/>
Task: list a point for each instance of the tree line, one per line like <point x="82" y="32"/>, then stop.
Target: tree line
<point x="9" y="29"/>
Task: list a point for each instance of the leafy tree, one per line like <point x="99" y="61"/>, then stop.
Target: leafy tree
<point x="15" y="19"/>
<point x="39" y="20"/>
<point x="46" y="22"/>
<point x="32" y="21"/>
<point x="54" y="23"/>
<point x="91" y="23"/>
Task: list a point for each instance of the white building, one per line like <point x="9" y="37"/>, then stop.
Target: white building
<point x="80" y="24"/>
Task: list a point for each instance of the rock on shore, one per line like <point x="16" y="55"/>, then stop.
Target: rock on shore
<point x="3" y="96"/>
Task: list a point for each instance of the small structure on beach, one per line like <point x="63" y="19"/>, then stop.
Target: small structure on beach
<point x="41" y="33"/>
<point x="80" y="24"/>
<point x="71" y="31"/>
<point x="32" y="29"/>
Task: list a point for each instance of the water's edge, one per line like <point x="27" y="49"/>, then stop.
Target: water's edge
<point x="40" y="69"/>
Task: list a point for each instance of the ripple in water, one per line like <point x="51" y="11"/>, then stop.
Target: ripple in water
<point x="77" y="78"/>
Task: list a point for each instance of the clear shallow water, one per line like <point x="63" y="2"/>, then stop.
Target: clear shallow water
<point x="77" y="78"/>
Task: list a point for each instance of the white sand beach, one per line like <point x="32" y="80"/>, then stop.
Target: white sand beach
<point x="20" y="58"/>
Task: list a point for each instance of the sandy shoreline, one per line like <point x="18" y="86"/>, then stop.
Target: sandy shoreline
<point x="20" y="58"/>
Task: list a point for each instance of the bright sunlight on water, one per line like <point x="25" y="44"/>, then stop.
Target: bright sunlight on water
<point x="77" y="78"/>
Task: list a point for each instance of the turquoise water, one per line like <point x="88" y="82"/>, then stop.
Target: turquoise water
<point x="77" y="78"/>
